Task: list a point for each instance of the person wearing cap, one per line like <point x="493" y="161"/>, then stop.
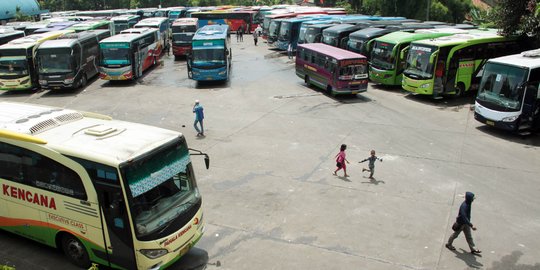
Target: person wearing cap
<point x="199" y="117"/>
<point x="463" y="223"/>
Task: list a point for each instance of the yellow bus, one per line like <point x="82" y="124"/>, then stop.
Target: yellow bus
<point x="18" y="68"/>
<point x="116" y="193"/>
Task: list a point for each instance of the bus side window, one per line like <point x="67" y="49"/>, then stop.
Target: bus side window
<point x="77" y="56"/>
<point x="11" y="163"/>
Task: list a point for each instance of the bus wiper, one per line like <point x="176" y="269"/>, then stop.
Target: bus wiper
<point x="172" y="219"/>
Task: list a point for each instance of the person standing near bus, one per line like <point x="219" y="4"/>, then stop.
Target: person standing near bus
<point x="340" y="160"/>
<point x="255" y="37"/>
<point x="199" y="117"/>
<point x="463" y="223"/>
<point x="290" y="51"/>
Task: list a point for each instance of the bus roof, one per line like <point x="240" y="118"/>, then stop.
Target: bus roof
<point x="66" y="41"/>
<point x="214" y="31"/>
<point x="321" y="26"/>
<point x="341" y="28"/>
<point x="527" y="59"/>
<point x="370" y="32"/>
<point x="402" y="37"/>
<point x="331" y="51"/>
<point x="88" y="24"/>
<point x="127" y="37"/>
<point x="9" y="31"/>
<point x="80" y="134"/>
<point x="32" y="40"/>
<point x="470" y="36"/>
<point x="125" y="17"/>
<point x="185" y="21"/>
<point x="151" y="21"/>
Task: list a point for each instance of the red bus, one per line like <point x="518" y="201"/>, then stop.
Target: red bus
<point x="183" y="30"/>
<point x="235" y="19"/>
<point x="332" y="69"/>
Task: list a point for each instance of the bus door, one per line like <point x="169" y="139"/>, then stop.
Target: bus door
<point x="401" y="56"/>
<point x="118" y="236"/>
<point x="531" y="100"/>
<point x="137" y="61"/>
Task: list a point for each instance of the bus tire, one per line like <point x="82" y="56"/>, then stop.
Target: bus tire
<point x="75" y="251"/>
<point x="460" y="90"/>
<point x="84" y="81"/>
<point x="329" y="90"/>
<point x="306" y="80"/>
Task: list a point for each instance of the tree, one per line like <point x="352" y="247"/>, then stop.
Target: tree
<point x="517" y="17"/>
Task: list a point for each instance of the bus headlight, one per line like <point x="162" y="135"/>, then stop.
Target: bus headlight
<point x="425" y="85"/>
<point x="25" y="81"/>
<point x="69" y="80"/>
<point x="510" y="118"/>
<point x="153" y="253"/>
<point x="43" y="82"/>
<point x="222" y="72"/>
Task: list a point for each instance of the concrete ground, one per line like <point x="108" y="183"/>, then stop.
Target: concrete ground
<point x="270" y="199"/>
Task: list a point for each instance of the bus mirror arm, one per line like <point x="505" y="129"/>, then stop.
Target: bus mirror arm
<point x="200" y="153"/>
<point x="432" y="57"/>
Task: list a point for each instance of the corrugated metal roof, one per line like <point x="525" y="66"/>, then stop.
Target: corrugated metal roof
<point x="8" y="8"/>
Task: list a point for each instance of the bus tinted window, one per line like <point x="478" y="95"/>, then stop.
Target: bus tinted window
<point x="55" y="60"/>
<point x="42" y="172"/>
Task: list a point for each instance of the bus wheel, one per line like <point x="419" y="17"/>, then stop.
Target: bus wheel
<point x="84" y="81"/>
<point x="329" y="90"/>
<point x="75" y="251"/>
<point x="460" y="90"/>
<point x="306" y="80"/>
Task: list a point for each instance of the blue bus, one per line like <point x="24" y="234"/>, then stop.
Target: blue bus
<point x="289" y="33"/>
<point x="210" y="58"/>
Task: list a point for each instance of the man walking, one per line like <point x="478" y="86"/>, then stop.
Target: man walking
<point x="463" y="223"/>
<point x="199" y="117"/>
<point x="255" y="37"/>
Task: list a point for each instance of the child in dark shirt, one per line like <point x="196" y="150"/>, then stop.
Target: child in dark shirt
<point x="371" y="164"/>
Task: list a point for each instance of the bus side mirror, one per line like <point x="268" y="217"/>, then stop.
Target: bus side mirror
<point x="207" y="161"/>
<point x="432" y="57"/>
<point x="403" y="53"/>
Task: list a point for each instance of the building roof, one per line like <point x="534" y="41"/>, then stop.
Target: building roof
<point x="8" y="9"/>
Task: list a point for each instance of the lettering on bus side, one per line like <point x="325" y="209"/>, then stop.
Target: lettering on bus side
<point x="310" y="68"/>
<point x="66" y="221"/>
<point x="27" y="196"/>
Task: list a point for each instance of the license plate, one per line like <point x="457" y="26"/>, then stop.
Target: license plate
<point x="184" y="250"/>
<point x="354" y="92"/>
<point x="491" y="123"/>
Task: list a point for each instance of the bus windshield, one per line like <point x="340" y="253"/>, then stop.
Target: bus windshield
<point x="13" y="65"/>
<point x="357" y="44"/>
<point x="209" y="57"/>
<point x="285" y="31"/>
<point x="353" y="72"/>
<point x="183" y="28"/>
<point x="312" y="34"/>
<point x="418" y="65"/>
<point x="55" y="60"/>
<point x="182" y="37"/>
<point x="115" y="54"/>
<point x="120" y="26"/>
<point x="499" y="86"/>
<point x="330" y="39"/>
<point x="381" y="55"/>
<point x="274" y="28"/>
<point x="162" y="188"/>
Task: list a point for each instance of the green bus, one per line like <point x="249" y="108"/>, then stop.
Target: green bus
<point x="90" y="25"/>
<point x="387" y="59"/>
<point x="451" y="65"/>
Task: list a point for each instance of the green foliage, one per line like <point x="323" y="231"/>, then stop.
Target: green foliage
<point x="518" y="17"/>
<point x="19" y="16"/>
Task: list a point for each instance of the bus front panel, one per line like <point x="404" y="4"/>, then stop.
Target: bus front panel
<point x="15" y="71"/>
<point x="116" y="61"/>
<point x="419" y="75"/>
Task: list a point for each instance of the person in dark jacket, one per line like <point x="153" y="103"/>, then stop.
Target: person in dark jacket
<point x="463" y="223"/>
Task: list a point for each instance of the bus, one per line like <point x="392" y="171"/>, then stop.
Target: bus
<point x="211" y="55"/>
<point x="69" y="61"/>
<point x="282" y="14"/>
<point x="289" y="32"/>
<point x="90" y="25"/>
<point x="183" y="30"/>
<point x="127" y="56"/>
<point x="338" y="35"/>
<point x="100" y="33"/>
<point x="123" y="22"/>
<point x="164" y="30"/>
<point x="234" y="19"/>
<point x="305" y="25"/>
<point x="450" y="65"/>
<point x="273" y="32"/>
<point x="18" y="69"/>
<point x="332" y="69"/>
<point x="361" y="41"/>
<point x="94" y="188"/>
<point x="508" y="96"/>
<point x="8" y="34"/>
<point x="387" y="59"/>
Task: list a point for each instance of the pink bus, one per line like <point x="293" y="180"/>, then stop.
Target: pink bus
<point x="183" y="30"/>
<point x="332" y="69"/>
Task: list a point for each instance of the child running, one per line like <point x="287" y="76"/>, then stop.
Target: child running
<point x="371" y="164"/>
<point x="340" y="160"/>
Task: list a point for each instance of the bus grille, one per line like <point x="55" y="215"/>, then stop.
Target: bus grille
<point x="69" y="117"/>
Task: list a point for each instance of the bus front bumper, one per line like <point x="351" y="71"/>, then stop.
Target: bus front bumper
<point x="500" y="120"/>
<point x="422" y="87"/>
<point x="179" y="51"/>
<point x="23" y="83"/>
<point x="121" y="74"/>
<point x="210" y="75"/>
<point x="384" y="77"/>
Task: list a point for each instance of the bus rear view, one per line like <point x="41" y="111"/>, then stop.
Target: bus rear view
<point x="508" y="96"/>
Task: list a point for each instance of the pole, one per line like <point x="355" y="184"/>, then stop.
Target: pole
<point x="427" y="10"/>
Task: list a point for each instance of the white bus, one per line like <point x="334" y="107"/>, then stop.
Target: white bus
<point x="508" y="96"/>
<point x="116" y="193"/>
<point x="123" y="22"/>
<point x="162" y="25"/>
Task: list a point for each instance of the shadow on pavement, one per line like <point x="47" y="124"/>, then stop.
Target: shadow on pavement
<point x="509" y="262"/>
<point x="468" y="258"/>
<point x="532" y="140"/>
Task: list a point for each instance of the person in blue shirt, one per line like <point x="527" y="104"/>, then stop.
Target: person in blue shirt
<point x="199" y="117"/>
<point x="463" y="223"/>
<point x="371" y="164"/>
